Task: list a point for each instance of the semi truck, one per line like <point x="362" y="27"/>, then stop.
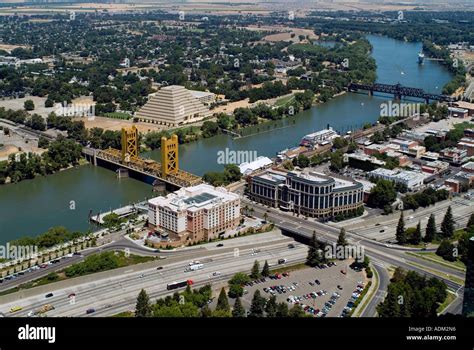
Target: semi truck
<point x="194" y="267"/>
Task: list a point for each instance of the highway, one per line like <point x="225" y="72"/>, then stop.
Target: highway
<point x="119" y="243"/>
<point x="118" y="293"/>
<point x="461" y="207"/>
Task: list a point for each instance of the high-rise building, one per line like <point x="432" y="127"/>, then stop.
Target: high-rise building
<point x="195" y="213"/>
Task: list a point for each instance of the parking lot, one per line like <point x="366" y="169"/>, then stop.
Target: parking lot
<point x="323" y="292"/>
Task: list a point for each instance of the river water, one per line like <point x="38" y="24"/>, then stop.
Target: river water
<point x="31" y="207"/>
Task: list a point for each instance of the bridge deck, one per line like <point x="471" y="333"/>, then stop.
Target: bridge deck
<point x="399" y="91"/>
<point x="149" y="167"/>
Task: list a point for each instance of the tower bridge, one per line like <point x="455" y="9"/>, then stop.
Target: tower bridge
<point x="399" y="91"/>
<point x="128" y="158"/>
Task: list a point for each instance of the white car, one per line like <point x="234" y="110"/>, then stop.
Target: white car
<point x="30" y="314"/>
<point x="217" y="273"/>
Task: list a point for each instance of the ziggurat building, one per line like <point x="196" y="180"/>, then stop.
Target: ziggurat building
<point x="172" y="106"/>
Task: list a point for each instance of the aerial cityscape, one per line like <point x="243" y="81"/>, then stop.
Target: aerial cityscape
<point x="259" y="160"/>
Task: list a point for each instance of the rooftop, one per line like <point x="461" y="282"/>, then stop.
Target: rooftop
<point x="202" y="196"/>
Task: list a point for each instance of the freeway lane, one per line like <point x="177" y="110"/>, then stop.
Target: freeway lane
<point x="118" y="290"/>
<point x="329" y="234"/>
<point x="461" y="208"/>
<point x="122" y="243"/>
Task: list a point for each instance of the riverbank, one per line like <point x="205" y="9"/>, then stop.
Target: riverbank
<point x="46" y="199"/>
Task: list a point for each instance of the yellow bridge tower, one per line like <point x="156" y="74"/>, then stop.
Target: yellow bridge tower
<point x="167" y="171"/>
<point x="169" y="156"/>
<point x="129" y="144"/>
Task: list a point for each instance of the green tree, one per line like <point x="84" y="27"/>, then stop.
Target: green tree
<point x="400" y="233"/>
<point x="337" y="162"/>
<point x="222" y="302"/>
<point x="470" y="222"/>
<point x="221" y="313"/>
<point x="341" y="240"/>
<point x="43" y="142"/>
<point x="238" y="310"/>
<point x="296" y="311"/>
<point x="238" y="280"/>
<point x="314" y="256"/>
<point x="416" y="238"/>
<point x="235" y="290"/>
<point x="232" y="173"/>
<point x="29" y="105"/>
<point x="382" y="194"/>
<point x="282" y="310"/>
<point x="430" y="233"/>
<point x="255" y="272"/>
<point x="206" y="311"/>
<point x="271" y="307"/>
<point x="447" y="226"/>
<point x="463" y="246"/>
<point x="143" y="308"/>
<point x="446" y="250"/>
<point x="257" y="307"/>
<point x="209" y="128"/>
<point x="266" y="269"/>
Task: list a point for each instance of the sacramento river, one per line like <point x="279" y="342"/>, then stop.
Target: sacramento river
<point x="31" y="207"/>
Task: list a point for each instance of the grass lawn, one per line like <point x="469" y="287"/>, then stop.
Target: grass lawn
<point x="285" y="268"/>
<point x="440" y="274"/>
<point x="61" y="276"/>
<point x="449" y="299"/>
<point x="124" y="314"/>
<point x="430" y="256"/>
<point x="118" y="115"/>
<point x="284" y="100"/>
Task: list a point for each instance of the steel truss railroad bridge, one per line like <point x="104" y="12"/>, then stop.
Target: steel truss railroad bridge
<point x="399" y="91"/>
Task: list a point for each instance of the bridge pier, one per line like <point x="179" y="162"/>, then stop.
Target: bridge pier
<point x="122" y="172"/>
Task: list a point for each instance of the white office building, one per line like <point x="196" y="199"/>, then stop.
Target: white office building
<point x="411" y="179"/>
<point x="195" y="213"/>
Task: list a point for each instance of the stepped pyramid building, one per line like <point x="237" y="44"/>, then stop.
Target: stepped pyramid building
<point x="172" y="106"/>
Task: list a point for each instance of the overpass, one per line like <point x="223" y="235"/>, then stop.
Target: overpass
<point x="127" y="158"/>
<point x="399" y="91"/>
